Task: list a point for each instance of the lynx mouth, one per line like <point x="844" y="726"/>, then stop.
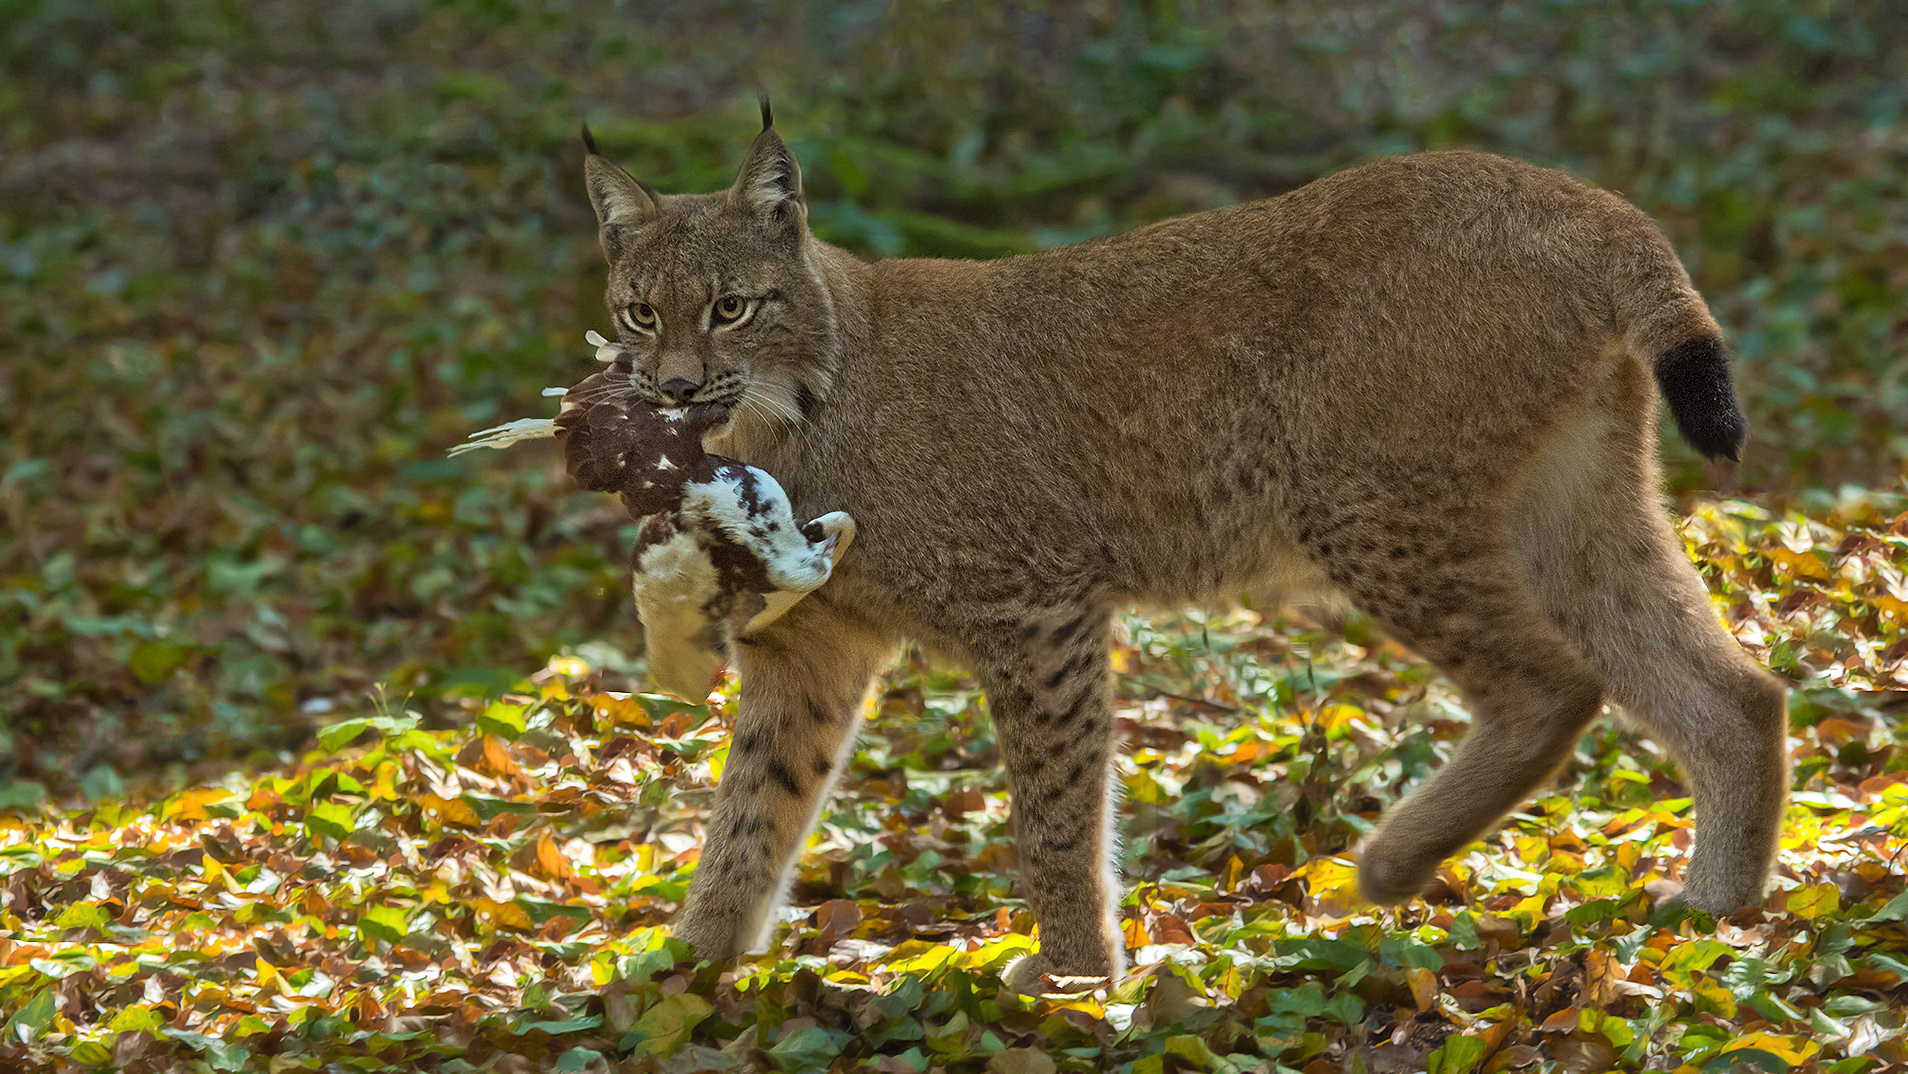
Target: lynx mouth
<point x="717" y="418"/>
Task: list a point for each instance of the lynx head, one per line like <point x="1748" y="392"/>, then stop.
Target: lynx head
<point x="717" y="295"/>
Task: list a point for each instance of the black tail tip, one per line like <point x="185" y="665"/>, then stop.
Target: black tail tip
<point x="589" y="143"/>
<point x="1696" y="383"/>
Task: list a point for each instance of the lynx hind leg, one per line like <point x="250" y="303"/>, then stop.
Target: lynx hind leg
<point x="1047" y="689"/>
<point x="802" y="683"/>
<point x="1404" y="553"/>
<point x="1614" y="577"/>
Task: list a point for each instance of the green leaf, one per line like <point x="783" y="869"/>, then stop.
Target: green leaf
<point x="101" y="781"/>
<point x="343" y="732"/>
<point x="333" y="819"/>
<point x="218" y="1054"/>
<point x="387" y="923"/>
<point x="22" y="794"/>
<point x="663" y="1028"/>
<point x="568" y="1025"/>
<point x="137" y="1020"/>
<point x="152" y="661"/>
<point x="1895" y="909"/>
<point x="1458" y="1054"/>
<point x="31" y="1019"/>
<point x="503" y="719"/>
<point x="83" y="915"/>
<point x="811" y="1049"/>
<point x="576" y="1059"/>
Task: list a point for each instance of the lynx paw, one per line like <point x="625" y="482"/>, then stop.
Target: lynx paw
<point x="1716" y="900"/>
<point x="1387" y="878"/>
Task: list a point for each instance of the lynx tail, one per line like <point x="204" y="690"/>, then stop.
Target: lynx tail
<point x="1667" y="327"/>
<point x="1695" y="380"/>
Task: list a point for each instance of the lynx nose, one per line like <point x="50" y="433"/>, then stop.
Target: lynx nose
<point x="678" y="389"/>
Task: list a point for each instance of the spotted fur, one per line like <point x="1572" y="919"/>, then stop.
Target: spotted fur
<point x="1425" y="383"/>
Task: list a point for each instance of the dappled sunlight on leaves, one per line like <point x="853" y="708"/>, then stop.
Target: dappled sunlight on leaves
<point x="408" y="897"/>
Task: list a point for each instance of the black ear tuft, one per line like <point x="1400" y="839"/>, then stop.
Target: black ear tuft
<point x="589" y="143"/>
<point x="768" y="117"/>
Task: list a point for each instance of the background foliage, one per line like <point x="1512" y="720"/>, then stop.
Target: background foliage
<point x="260" y="264"/>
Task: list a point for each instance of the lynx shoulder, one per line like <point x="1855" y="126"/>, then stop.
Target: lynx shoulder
<point x="1429" y="383"/>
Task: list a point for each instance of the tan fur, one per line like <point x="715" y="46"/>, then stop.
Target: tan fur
<point x="1423" y="382"/>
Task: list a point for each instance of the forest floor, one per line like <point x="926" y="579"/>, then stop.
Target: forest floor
<point x="495" y="896"/>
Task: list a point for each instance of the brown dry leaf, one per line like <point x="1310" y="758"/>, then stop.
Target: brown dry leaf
<point x="1602" y="974"/>
<point x="1424" y="987"/>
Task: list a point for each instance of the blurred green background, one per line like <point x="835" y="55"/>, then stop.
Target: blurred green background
<point x="261" y="263"/>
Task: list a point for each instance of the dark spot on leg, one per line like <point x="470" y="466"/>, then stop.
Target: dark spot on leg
<point x="751" y="740"/>
<point x="823" y="766"/>
<point x="1070" y="669"/>
<point x="778" y="771"/>
<point x="1075" y="773"/>
<point x="819" y="713"/>
<point x="1078" y="706"/>
<point x="1066" y="632"/>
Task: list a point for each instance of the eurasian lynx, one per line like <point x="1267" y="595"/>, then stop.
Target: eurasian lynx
<point x="1425" y="383"/>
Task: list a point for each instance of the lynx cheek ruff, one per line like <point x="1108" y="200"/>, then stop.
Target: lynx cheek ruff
<point x="719" y="548"/>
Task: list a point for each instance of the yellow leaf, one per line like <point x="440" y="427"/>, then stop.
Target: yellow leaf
<point x="191" y="805"/>
<point x="1333" y="884"/>
<point x="1424" y="987"/>
<point x="1800" y="564"/>
<point x="919" y="956"/>
<point x="1812" y="902"/>
<point x="1335" y="717"/>
<point x="450" y="810"/>
<point x="1795" y="1050"/>
<point x="1711" y="996"/>
<point x="1233" y="869"/>
<point x="624" y="711"/>
<point x="507" y="914"/>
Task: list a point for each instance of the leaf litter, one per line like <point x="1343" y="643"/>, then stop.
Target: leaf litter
<point x="496" y="896"/>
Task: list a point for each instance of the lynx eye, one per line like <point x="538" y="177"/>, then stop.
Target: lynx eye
<point x="730" y="309"/>
<point x="640" y="316"/>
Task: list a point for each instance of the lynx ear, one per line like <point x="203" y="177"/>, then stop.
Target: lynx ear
<point x="621" y="203"/>
<point x="769" y="186"/>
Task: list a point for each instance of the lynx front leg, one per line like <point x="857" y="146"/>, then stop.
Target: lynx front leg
<point x="1049" y="704"/>
<point x="802" y="682"/>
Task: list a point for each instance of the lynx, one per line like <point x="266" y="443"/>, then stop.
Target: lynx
<point x="1423" y="384"/>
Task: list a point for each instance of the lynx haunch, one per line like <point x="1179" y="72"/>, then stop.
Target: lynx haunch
<point x="1424" y="383"/>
